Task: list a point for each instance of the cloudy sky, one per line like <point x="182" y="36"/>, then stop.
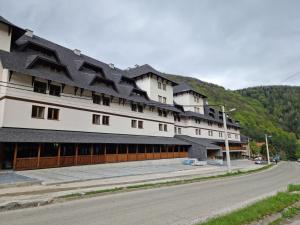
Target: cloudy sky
<point x="233" y="43"/>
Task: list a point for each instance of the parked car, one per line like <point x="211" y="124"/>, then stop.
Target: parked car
<point x="260" y="162"/>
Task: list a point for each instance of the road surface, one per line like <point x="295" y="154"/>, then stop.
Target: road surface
<point x="177" y="205"/>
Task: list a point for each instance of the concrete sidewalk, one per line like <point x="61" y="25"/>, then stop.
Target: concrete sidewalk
<point x="16" y="197"/>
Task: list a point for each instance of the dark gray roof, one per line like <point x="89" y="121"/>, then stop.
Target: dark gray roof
<point x="207" y="143"/>
<point x="146" y="69"/>
<point x="184" y="87"/>
<point x="18" y="135"/>
<point x="25" y="59"/>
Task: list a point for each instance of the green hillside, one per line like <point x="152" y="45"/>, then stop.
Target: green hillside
<point x="260" y="110"/>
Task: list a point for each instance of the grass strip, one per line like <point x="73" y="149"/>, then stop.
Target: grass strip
<point x="256" y="211"/>
<point x="293" y="187"/>
<point x="161" y="184"/>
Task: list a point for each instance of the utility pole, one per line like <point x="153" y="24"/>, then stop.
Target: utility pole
<point x="267" y="147"/>
<point x="226" y="141"/>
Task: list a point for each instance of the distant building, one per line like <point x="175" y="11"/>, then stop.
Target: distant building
<point x="59" y="107"/>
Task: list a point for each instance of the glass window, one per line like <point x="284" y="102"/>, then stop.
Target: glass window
<point x="164" y="100"/>
<point x="159" y="85"/>
<point x="38" y="112"/>
<point x="160" y="98"/>
<point x="160" y="127"/>
<point x="133" y="107"/>
<point x="140" y="108"/>
<point x="53" y="114"/>
<point x="96" y="119"/>
<point x="179" y="130"/>
<point x="54" y="90"/>
<point x="165" y="127"/>
<point x="96" y="99"/>
<point x="164" y="87"/>
<point x="105" y="120"/>
<point x="133" y="123"/>
<point x="141" y="124"/>
<point x="106" y="101"/>
<point x="40" y="87"/>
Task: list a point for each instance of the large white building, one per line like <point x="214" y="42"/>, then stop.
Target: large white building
<point x="59" y="107"/>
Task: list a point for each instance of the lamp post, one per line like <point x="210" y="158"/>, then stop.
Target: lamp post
<point x="267" y="147"/>
<point x="226" y="138"/>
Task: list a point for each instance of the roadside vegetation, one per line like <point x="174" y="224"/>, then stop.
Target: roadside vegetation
<point x="274" y="110"/>
<point x="280" y="203"/>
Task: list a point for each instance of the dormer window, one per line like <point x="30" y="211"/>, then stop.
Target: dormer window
<point x="96" y="99"/>
<point x="106" y="101"/>
<point x="210" y="123"/>
<point x="40" y="87"/>
<point x="54" y="90"/>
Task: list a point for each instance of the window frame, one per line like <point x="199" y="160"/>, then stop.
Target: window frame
<point x="38" y="89"/>
<point x="133" y="123"/>
<point x="105" y="120"/>
<point x="106" y="101"/>
<point x="53" y="112"/>
<point x="37" y="112"/>
<point x="93" y="119"/>
<point x="54" y="93"/>
<point x="141" y="124"/>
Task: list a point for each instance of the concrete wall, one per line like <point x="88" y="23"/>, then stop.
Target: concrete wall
<point x="5" y="37"/>
<point x="75" y="112"/>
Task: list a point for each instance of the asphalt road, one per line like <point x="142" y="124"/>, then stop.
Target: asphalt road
<point x="182" y="204"/>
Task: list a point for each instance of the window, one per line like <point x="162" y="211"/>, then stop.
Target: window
<point x="196" y="131"/>
<point x="197" y="121"/>
<point x="236" y="136"/>
<point x="96" y="99"/>
<point x="38" y="112"/>
<point x="164" y="100"/>
<point x="179" y="130"/>
<point x="160" y="127"/>
<point x="53" y="114"/>
<point x="54" y="90"/>
<point x="106" y="101"/>
<point x="220" y="125"/>
<point x="196" y="109"/>
<point x="105" y="120"/>
<point x="220" y="134"/>
<point x="133" y="123"/>
<point x="176" y="118"/>
<point x="40" y="87"/>
<point x="175" y="130"/>
<point x="164" y="113"/>
<point x="210" y="133"/>
<point x="164" y="87"/>
<point x="229" y="135"/>
<point x="165" y="127"/>
<point x="140" y="108"/>
<point x="210" y="123"/>
<point x="141" y="124"/>
<point x="96" y="119"/>
<point x="133" y="107"/>
<point x="159" y="85"/>
<point x="160" y="98"/>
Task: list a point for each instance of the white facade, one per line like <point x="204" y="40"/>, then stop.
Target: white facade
<point x="190" y="102"/>
<point x="158" y="89"/>
<point x="5" y="37"/>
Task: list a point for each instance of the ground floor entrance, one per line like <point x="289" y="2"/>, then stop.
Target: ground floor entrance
<point x="23" y="156"/>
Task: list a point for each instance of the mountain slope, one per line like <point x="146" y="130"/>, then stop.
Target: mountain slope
<point x="256" y="119"/>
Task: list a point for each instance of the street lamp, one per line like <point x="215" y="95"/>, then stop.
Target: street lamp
<point x="267" y="147"/>
<point x="226" y="138"/>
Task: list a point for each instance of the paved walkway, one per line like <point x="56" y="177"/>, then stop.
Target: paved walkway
<point x="114" y="170"/>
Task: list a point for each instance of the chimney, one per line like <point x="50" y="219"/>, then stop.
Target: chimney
<point x="111" y="66"/>
<point x="136" y="65"/>
<point x="77" y="52"/>
<point x="29" y="33"/>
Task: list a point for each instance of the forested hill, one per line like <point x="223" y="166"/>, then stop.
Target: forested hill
<point x="271" y="109"/>
<point x="283" y="102"/>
